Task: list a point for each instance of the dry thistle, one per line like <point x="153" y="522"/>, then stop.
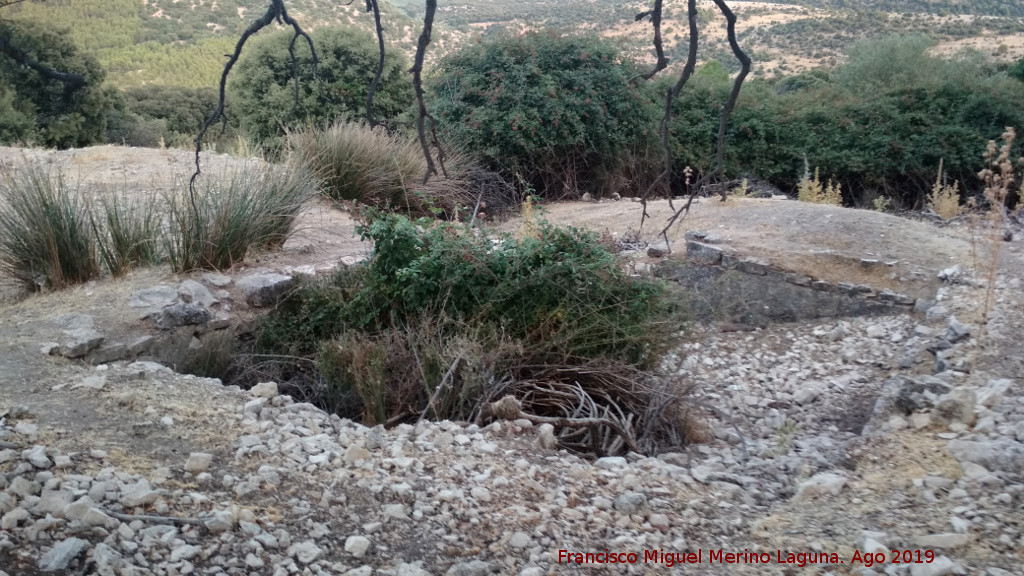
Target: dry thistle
<point x="998" y="177"/>
<point x="528" y="228"/>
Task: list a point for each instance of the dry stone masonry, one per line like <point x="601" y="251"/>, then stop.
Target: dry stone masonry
<point x="722" y="285"/>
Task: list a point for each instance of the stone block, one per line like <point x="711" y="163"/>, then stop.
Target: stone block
<point x="703" y="254"/>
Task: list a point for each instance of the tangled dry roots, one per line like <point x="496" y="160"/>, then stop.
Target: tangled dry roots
<point x="599" y="408"/>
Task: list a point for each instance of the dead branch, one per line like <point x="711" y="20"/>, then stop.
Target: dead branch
<point x="659" y="48"/>
<point x="510" y="406"/>
<point x="730" y="104"/>
<point x="372" y="6"/>
<point x="445" y="383"/>
<point x="417" y="82"/>
<point x="169" y="520"/>
<point x="275" y="11"/>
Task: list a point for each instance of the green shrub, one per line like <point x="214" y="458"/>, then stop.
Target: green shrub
<point x="46" y="240"/>
<point x="442" y="320"/>
<point x="559" y="111"/>
<point x="244" y="209"/>
<point x="17" y="123"/>
<point x="262" y="89"/>
<point x="155" y="115"/>
<point x="1016" y="70"/>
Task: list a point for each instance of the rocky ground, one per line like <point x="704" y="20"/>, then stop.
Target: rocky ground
<point x="832" y="440"/>
<point x="831" y="443"/>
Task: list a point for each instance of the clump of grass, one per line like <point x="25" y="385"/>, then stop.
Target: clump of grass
<point x="441" y="321"/>
<point x="234" y="213"/>
<point x="811" y="189"/>
<point x="46" y="240"/>
<point x="377" y="168"/>
<point x="127" y="232"/>
<point x="945" y="199"/>
<point x="361" y="164"/>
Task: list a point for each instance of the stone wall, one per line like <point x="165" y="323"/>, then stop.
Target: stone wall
<point x="720" y="285"/>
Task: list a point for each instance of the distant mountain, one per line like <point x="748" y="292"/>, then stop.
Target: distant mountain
<point x="1001" y="8"/>
<point x="183" y="42"/>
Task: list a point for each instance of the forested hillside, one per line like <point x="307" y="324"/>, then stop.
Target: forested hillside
<point x="183" y="43"/>
<point x="1007" y="8"/>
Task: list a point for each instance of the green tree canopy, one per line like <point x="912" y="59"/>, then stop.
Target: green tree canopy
<point x="555" y="109"/>
<point x="262" y="89"/>
<point x="1016" y="70"/>
<point x="39" y="107"/>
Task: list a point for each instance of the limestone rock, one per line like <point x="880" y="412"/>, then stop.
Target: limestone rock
<point x="703" y="254"/>
<point x="264" y="390"/>
<point x="264" y="289"/>
<point x="180" y="314"/>
<point x="84" y="510"/>
<point x="942" y="540"/>
<point x="61" y="555"/>
<point x="305" y="552"/>
<point x="956" y="406"/>
<point x="198" y="462"/>
<point x="658" y="249"/>
<point x="1005" y="455"/>
<point x="218" y="280"/>
<point x="79" y="342"/>
<point x="357" y="545"/>
<point x="546" y="437"/>
<point x="821" y="484"/>
<point x="192" y="292"/>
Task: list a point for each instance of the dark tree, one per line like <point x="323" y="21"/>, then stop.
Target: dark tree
<point x="53" y="86"/>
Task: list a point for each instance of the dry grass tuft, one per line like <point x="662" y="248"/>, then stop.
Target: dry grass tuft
<point x="385" y="170"/>
<point x="46" y="240"/>
<point x="127" y="232"/>
<point x="235" y="212"/>
<point x="945" y="199"/>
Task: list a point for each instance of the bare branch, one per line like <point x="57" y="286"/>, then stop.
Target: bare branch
<point x="372" y="6"/>
<point x="659" y="48"/>
<point x="170" y="520"/>
<point x="671" y="93"/>
<point x="424" y="116"/>
<point x="509" y="408"/>
<point x="275" y="11"/>
<point x="737" y="84"/>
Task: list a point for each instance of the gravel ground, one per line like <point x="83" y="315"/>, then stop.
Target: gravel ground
<point x="833" y="440"/>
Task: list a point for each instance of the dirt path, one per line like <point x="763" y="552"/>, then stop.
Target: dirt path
<point x="824" y="242"/>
